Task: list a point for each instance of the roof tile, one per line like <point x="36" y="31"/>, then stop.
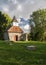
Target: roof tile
<point x="15" y="29"/>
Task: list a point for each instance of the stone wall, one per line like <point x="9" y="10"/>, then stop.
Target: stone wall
<point x="11" y="35"/>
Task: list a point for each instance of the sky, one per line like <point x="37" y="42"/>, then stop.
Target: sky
<point x="21" y="8"/>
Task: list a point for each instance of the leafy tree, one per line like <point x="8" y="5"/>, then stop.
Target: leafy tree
<point x="39" y="19"/>
<point x="4" y="22"/>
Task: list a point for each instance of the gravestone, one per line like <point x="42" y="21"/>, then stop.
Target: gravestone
<point x="32" y="47"/>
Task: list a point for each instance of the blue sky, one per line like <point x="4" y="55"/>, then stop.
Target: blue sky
<point x="21" y="8"/>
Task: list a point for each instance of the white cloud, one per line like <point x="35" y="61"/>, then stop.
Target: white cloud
<point x="25" y="7"/>
<point x="22" y="7"/>
<point x="14" y="1"/>
<point x="32" y="1"/>
<point x="27" y="27"/>
<point x="5" y="9"/>
<point x="19" y="21"/>
<point x="19" y="7"/>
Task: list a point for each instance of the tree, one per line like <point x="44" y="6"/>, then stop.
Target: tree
<point x="39" y="18"/>
<point x="4" y="22"/>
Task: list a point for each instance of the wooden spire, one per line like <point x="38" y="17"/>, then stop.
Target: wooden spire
<point x="14" y="19"/>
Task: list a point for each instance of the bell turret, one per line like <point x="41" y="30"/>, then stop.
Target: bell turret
<point x="14" y="21"/>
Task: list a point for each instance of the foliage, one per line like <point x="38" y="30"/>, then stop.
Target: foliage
<point x="39" y="18"/>
<point x="4" y="22"/>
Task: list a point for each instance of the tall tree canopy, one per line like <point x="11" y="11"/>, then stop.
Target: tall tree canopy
<point x="39" y="19"/>
<point x="4" y="22"/>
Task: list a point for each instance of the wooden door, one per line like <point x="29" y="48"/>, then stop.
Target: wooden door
<point x="16" y="38"/>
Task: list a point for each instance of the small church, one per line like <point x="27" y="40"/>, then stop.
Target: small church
<point x="14" y="32"/>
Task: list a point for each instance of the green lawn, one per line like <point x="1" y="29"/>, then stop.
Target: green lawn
<point x="15" y="53"/>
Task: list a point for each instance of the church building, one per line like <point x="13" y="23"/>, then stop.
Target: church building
<point x="14" y="32"/>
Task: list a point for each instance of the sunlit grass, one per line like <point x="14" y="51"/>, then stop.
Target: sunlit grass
<point x="15" y="53"/>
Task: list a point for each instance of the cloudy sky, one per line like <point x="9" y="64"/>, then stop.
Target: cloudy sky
<point x="21" y="8"/>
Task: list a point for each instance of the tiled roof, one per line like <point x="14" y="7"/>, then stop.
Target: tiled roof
<point x="15" y="29"/>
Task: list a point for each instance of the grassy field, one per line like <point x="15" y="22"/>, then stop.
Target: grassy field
<point x="15" y="53"/>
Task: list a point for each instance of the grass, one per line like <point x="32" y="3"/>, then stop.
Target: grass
<point x="15" y="53"/>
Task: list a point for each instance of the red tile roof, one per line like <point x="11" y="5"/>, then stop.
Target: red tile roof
<point x="15" y="29"/>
